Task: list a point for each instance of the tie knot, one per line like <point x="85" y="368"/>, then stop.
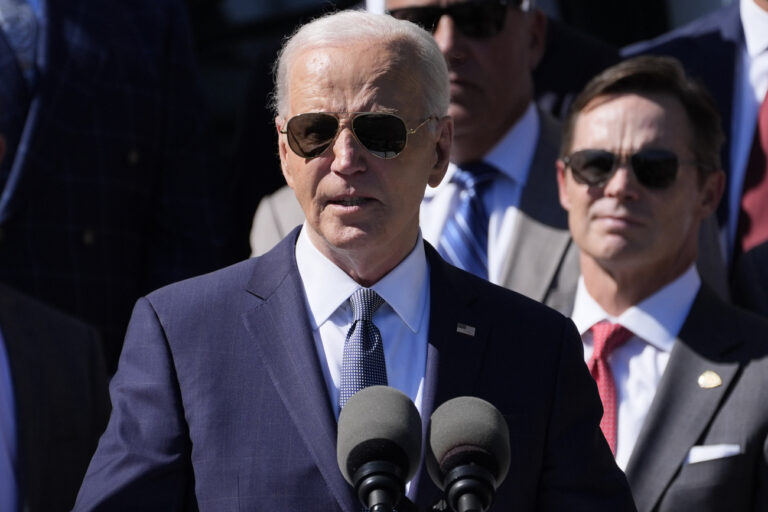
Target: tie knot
<point x="365" y="302"/>
<point x="469" y="176"/>
<point x="607" y="337"/>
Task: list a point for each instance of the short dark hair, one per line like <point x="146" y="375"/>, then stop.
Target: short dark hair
<point x="657" y="75"/>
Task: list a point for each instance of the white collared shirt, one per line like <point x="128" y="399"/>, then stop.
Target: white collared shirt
<point x="403" y="320"/>
<point x="638" y="365"/>
<point x="749" y="88"/>
<point x="512" y="156"/>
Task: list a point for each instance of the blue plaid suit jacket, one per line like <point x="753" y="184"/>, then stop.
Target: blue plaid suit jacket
<point x="111" y="192"/>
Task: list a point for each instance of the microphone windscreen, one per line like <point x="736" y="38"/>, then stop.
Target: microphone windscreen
<point x="378" y="423"/>
<point x="467" y="430"/>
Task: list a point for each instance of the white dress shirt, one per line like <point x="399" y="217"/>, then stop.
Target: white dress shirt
<point x="8" y="438"/>
<point x="749" y="88"/>
<point x="512" y="156"/>
<point x="638" y="365"/>
<point x="403" y="320"/>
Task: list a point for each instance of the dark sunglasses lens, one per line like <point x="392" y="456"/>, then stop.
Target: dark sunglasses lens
<point x="425" y="17"/>
<point x="311" y="134"/>
<point x="384" y="135"/>
<point x="591" y="166"/>
<point x="478" y="19"/>
<point x="655" y="168"/>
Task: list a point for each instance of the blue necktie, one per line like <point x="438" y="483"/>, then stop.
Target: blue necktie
<point x="363" y="362"/>
<point x="20" y="26"/>
<point x="464" y="240"/>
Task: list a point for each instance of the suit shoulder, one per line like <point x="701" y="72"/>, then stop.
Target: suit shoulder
<point x="223" y="280"/>
<point x="44" y="316"/>
<point x="677" y="41"/>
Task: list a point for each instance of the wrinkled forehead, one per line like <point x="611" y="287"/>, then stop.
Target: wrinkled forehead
<point x="631" y="121"/>
<point x="364" y="76"/>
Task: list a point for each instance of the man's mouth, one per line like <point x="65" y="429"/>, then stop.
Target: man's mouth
<point x="349" y="201"/>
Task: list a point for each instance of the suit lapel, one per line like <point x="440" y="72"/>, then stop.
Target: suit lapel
<point x="281" y="334"/>
<point x="454" y="359"/>
<point x="681" y="409"/>
<point x="541" y="235"/>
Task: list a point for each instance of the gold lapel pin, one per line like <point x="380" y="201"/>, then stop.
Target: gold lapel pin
<point x="465" y="329"/>
<point x="709" y="380"/>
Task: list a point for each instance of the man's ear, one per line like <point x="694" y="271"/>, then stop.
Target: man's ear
<point x="442" y="151"/>
<point x="282" y="147"/>
<point x="711" y="192"/>
<point x="561" y="185"/>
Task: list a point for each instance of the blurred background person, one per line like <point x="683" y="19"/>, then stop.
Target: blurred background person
<point x="53" y="404"/>
<point x="108" y="188"/>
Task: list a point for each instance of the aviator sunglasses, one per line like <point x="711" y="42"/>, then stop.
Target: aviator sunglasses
<point x="655" y="168"/>
<point x="384" y="135"/>
<point x="478" y="19"/>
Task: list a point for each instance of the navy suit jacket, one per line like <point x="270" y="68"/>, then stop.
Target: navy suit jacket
<point x="108" y="194"/>
<point x="60" y="390"/>
<point x="219" y="401"/>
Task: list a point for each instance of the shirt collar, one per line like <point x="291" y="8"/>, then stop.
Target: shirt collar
<point x="754" y="20"/>
<point x="657" y="319"/>
<point x="512" y="155"/>
<point x="316" y="271"/>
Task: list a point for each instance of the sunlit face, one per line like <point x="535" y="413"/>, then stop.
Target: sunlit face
<point x="623" y="224"/>
<point x="491" y="81"/>
<point x="359" y="207"/>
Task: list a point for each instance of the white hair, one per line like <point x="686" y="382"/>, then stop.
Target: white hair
<point x="345" y="28"/>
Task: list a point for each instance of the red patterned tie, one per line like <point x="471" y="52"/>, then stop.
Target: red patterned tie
<point x="753" y="218"/>
<point x="606" y="338"/>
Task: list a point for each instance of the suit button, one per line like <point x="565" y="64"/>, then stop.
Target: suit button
<point x="89" y="237"/>
<point x="132" y="158"/>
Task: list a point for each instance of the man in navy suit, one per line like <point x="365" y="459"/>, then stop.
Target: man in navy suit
<point x="728" y="51"/>
<point x="106" y="190"/>
<point x="228" y="387"/>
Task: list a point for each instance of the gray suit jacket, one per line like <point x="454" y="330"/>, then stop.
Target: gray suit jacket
<point x="732" y="343"/>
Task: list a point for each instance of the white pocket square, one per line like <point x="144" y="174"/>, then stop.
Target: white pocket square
<point x="711" y="452"/>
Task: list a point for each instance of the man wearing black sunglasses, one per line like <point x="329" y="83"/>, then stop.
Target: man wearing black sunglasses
<point x="681" y="373"/>
<point x="229" y="385"/>
<point x="492" y="48"/>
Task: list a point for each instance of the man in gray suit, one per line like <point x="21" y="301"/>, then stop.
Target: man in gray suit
<point x="491" y="49"/>
<point x="682" y="375"/>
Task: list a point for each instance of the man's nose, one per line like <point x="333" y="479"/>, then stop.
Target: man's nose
<point x="347" y="153"/>
<point x="449" y="39"/>
<point x="623" y="183"/>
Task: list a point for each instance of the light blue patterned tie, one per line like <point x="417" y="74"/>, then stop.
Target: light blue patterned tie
<point x="464" y="240"/>
<point x="20" y="26"/>
<point x="363" y="363"/>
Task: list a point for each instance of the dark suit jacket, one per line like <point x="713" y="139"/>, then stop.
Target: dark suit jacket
<point x="732" y="343"/>
<point x="60" y="390"/>
<point x="220" y="402"/>
<point x="109" y="194"/>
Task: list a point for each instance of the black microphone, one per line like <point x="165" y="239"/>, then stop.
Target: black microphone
<point x="468" y="452"/>
<point x="378" y="446"/>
